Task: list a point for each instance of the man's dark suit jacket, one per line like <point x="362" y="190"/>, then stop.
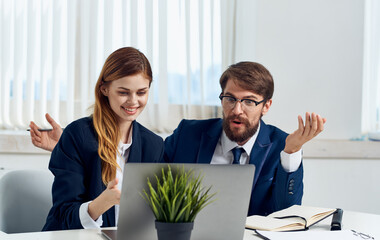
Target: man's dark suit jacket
<point x="76" y="166"/>
<point x="273" y="189"/>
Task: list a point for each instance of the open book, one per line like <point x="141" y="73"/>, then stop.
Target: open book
<point x="293" y="218"/>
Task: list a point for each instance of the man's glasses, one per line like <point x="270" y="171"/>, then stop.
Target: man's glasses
<point x="230" y="102"/>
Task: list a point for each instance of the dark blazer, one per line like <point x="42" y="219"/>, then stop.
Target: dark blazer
<point x="273" y="189"/>
<point x="76" y="166"/>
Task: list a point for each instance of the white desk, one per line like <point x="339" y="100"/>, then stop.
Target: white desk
<point x="361" y="222"/>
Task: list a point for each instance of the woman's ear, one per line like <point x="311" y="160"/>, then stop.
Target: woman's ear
<point x="104" y="90"/>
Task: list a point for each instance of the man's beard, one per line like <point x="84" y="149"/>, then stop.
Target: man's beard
<point x="239" y="137"/>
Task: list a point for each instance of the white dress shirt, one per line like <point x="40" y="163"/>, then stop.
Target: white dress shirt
<point x="223" y="153"/>
<point x="85" y="219"/>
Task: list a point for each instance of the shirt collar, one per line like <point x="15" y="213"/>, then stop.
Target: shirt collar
<point x="123" y="147"/>
<point x="228" y="145"/>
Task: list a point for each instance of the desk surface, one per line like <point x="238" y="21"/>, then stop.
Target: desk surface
<point x="361" y="222"/>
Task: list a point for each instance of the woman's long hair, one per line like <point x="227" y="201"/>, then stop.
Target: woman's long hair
<point x="123" y="62"/>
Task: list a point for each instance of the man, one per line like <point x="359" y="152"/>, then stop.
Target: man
<point x="247" y="90"/>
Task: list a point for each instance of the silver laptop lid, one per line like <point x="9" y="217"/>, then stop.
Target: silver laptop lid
<point x="223" y="219"/>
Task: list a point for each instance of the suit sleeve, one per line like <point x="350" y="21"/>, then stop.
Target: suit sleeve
<point x="288" y="188"/>
<point x="171" y="143"/>
<point x="276" y="188"/>
<point x="68" y="188"/>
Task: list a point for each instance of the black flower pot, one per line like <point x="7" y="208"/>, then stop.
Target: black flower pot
<point x="174" y="231"/>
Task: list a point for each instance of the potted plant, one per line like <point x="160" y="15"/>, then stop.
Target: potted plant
<point x="175" y="199"/>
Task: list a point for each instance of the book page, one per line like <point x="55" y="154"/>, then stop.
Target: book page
<point x="272" y="224"/>
<point x="311" y="214"/>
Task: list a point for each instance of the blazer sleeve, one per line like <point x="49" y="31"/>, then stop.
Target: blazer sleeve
<point x="155" y="148"/>
<point x="275" y="188"/>
<point x="171" y="143"/>
<point x="288" y="188"/>
<point x="68" y="189"/>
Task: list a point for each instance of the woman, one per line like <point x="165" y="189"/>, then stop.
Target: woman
<point x="89" y="158"/>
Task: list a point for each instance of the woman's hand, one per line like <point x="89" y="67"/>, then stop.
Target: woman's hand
<point x="107" y="199"/>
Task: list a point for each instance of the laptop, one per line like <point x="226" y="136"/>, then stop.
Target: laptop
<point x="223" y="219"/>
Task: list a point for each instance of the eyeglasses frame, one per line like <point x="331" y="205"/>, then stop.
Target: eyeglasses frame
<point x="241" y="100"/>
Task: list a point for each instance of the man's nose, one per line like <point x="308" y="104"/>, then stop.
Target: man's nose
<point x="237" y="108"/>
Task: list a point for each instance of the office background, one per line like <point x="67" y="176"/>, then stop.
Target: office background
<point x="315" y="51"/>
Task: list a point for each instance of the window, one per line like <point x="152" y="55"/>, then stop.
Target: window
<point x="52" y="52"/>
<point x="371" y="73"/>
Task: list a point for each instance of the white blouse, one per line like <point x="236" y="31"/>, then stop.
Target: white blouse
<point x="85" y="219"/>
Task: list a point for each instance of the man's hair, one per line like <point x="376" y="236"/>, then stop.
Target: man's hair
<point x="251" y="76"/>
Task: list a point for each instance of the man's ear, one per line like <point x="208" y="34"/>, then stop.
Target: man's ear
<point x="266" y="107"/>
<point x="104" y="90"/>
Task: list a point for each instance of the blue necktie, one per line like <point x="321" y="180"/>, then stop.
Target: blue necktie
<point x="237" y="153"/>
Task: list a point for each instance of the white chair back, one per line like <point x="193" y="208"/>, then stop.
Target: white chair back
<point x="25" y="200"/>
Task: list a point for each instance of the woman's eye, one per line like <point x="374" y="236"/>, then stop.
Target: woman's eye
<point x="123" y="93"/>
<point x="141" y="93"/>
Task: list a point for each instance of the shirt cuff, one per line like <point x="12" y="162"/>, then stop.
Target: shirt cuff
<point x="291" y="162"/>
<point x="85" y="219"/>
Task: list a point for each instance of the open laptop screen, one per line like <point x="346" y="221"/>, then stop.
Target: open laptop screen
<point x="223" y="219"/>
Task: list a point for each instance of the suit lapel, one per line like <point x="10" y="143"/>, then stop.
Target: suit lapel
<point x="260" y="151"/>
<point x="208" y="142"/>
<point x="135" y="150"/>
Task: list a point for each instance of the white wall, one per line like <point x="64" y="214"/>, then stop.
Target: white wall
<point x="350" y="184"/>
<point x="15" y="161"/>
<point x="314" y="50"/>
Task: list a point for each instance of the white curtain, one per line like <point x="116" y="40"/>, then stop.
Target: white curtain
<point x="371" y="73"/>
<point x="52" y="53"/>
<point x="228" y="9"/>
<point x="38" y="61"/>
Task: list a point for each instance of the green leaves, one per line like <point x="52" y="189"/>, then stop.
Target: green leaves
<point x="177" y="197"/>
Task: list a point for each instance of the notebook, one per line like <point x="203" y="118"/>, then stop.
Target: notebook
<point x="223" y="219"/>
